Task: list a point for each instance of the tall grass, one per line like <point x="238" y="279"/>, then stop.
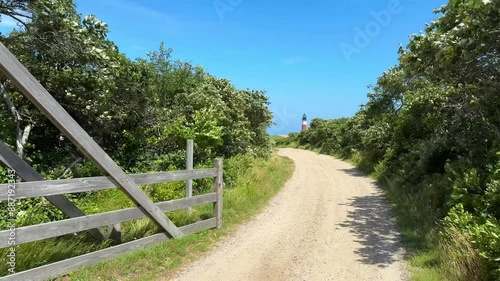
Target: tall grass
<point x="38" y="253"/>
<point x="461" y="260"/>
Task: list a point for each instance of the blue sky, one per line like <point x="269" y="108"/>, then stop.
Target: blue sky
<point x="313" y="57"/>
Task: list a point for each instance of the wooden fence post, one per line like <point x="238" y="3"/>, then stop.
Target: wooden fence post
<point x="218" y="190"/>
<point x="189" y="166"/>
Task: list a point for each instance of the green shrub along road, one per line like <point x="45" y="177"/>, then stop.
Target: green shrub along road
<point x="431" y="132"/>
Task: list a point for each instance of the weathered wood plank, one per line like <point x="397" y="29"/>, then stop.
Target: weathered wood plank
<point x="218" y="183"/>
<point x="189" y="167"/>
<point x="27" y="173"/>
<point x="53" y="229"/>
<point x="60" y="268"/>
<point x="197" y="226"/>
<point x="38" y="95"/>
<point x="53" y="187"/>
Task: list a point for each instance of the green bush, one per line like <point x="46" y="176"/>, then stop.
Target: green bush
<point x="236" y="166"/>
<point x="483" y="234"/>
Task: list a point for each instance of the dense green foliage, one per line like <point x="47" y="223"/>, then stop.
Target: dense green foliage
<point x="140" y="111"/>
<point x="431" y="130"/>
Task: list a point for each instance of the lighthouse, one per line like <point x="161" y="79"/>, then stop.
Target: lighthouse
<point x="304" y="122"/>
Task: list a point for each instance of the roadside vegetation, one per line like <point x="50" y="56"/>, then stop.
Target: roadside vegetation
<point x="430" y="132"/>
<point x="141" y="112"/>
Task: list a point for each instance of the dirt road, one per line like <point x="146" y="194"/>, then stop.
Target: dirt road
<point x="328" y="223"/>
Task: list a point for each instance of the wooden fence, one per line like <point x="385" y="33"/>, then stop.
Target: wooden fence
<point x="68" y="226"/>
<point x="34" y="185"/>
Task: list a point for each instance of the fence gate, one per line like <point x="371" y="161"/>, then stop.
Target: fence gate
<point x="34" y="185"/>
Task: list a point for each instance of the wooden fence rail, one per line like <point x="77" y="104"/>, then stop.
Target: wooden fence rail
<point x="60" y="268"/>
<point x="58" y="228"/>
<point x="54" y="187"/>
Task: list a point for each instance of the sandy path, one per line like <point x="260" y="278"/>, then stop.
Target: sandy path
<point x="328" y="223"/>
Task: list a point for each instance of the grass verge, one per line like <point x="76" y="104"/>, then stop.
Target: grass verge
<point x="253" y="188"/>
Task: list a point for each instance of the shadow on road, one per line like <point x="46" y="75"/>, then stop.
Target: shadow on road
<point x="353" y="172"/>
<point x="371" y="223"/>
